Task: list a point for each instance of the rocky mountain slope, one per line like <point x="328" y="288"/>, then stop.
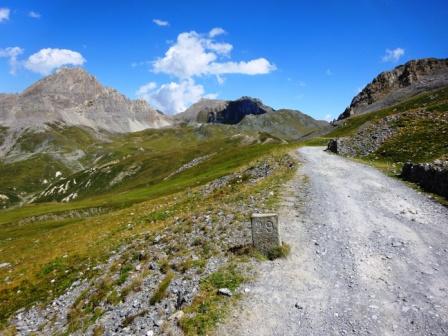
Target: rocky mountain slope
<point x="285" y="124"/>
<point x="405" y="81"/>
<point x="222" y="111"/>
<point x="198" y="112"/>
<point x="409" y="139"/>
<point x="75" y="98"/>
<point x="251" y="115"/>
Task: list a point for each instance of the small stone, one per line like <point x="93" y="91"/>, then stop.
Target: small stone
<point x="225" y="292"/>
<point x="298" y="306"/>
<point x="138" y="267"/>
<point x="177" y="315"/>
<point x="4" y="265"/>
<point x="150" y="333"/>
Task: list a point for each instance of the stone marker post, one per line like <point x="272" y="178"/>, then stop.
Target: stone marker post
<point x="265" y="232"/>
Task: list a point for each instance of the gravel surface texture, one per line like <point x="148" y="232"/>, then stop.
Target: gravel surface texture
<point x="369" y="256"/>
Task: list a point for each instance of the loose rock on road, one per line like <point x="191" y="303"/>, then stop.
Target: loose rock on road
<point x="369" y="257"/>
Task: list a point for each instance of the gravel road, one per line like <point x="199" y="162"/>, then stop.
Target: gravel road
<point x="369" y="257"/>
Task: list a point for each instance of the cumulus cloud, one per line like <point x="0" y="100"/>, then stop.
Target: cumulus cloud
<point x="196" y="55"/>
<point x="12" y="53"/>
<point x="259" y="66"/>
<point x="216" y="31"/>
<point x="46" y="60"/>
<point x="172" y="97"/>
<point x="393" y="55"/>
<point x="34" y="15"/>
<point x="161" y="23"/>
<point x="4" y="14"/>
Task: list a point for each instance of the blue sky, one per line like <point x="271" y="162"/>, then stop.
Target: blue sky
<point x="307" y="55"/>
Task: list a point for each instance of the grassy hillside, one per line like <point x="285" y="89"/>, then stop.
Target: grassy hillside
<point x="419" y="129"/>
<point x="49" y="244"/>
<point x="431" y="101"/>
<point x="284" y="124"/>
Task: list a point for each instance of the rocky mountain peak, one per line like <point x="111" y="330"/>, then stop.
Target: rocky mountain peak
<point x="72" y="96"/>
<point x="223" y="111"/>
<point x="405" y="80"/>
<point x="66" y="81"/>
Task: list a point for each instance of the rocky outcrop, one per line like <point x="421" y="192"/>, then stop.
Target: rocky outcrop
<point x="223" y="112"/>
<point x="73" y="97"/>
<point x="404" y="81"/>
<point x="432" y="177"/>
<point x="199" y="111"/>
<point x="366" y="140"/>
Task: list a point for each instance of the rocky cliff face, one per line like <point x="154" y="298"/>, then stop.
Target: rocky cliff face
<point x="74" y="97"/>
<point x="199" y="111"/>
<point x="402" y="82"/>
<point x="223" y="112"/>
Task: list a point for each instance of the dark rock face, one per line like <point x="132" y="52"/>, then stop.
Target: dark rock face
<point x="332" y="146"/>
<point x="223" y="112"/>
<point x="342" y="146"/>
<point x="432" y="177"/>
<point x="236" y="110"/>
<point x="404" y="81"/>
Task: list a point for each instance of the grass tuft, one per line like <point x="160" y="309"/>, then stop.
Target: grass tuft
<point x="160" y="292"/>
<point x="281" y="251"/>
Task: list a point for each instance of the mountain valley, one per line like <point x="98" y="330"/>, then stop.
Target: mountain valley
<point x="118" y="219"/>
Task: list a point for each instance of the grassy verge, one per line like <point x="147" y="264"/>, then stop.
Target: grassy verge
<point x="209" y="307"/>
<point x="47" y="256"/>
<point x="431" y="101"/>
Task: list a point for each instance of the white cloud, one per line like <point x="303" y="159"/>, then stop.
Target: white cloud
<point x="172" y="97"/>
<point x="259" y="66"/>
<point x="328" y="118"/>
<point x="46" y="60"/>
<point x="195" y="55"/>
<point x="12" y="53"/>
<point x="216" y="31"/>
<point x="393" y="55"/>
<point x="161" y="23"/>
<point x="34" y="15"/>
<point x="4" y="14"/>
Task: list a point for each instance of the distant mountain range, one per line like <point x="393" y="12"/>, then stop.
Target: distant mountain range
<point x="73" y="97"/>
<point x="223" y="111"/>
<point x="68" y="128"/>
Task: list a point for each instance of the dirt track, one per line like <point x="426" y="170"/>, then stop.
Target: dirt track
<point x="369" y="257"/>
